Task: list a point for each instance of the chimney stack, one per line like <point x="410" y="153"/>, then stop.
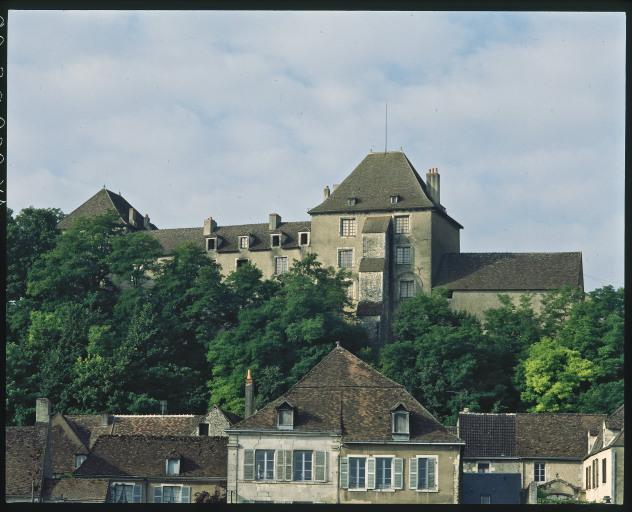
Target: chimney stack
<point x="42" y="410"/>
<point x="105" y="419"/>
<point x="326" y="192"/>
<point x="275" y="221"/>
<point x="146" y="222"/>
<point x="132" y="217"/>
<point x="334" y="187"/>
<point x="209" y="226"/>
<point x="249" y="408"/>
<point x="163" y="407"/>
<point x="432" y="180"/>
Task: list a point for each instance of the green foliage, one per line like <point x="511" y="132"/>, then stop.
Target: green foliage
<point x="279" y="335"/>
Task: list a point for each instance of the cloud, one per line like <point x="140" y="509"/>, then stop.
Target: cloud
<point x="238" y="114"/>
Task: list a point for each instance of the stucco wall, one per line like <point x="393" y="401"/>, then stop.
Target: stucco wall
<point x="495" y="466"/>
<point x="569" y="471"/>
<point x="196" y="487"/>
<point x="282" y="491"/>
<point x="477" y="302"/>
<point x="614" y="462"/>
<point x="448" y="473"/>
<point x="445" y="238"/>
<point x="263" y="260"/>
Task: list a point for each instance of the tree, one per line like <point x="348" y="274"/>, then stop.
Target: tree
<point x="280" y="336"/>
<point x="554" y="375"/>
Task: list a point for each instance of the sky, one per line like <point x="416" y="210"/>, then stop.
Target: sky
<point x="238" y="114"/>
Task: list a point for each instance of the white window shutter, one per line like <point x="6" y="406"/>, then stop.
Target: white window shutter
<point x="249" y="464"/>
<point x="288" y="465"/>
<point x="370" y="473"/>
<point x="185" y="496"/>
<point x="138" y="493"/>
<point x="158" y="494"/>
<point x="398" y="473"/>
<point x="319" y="466"/>
<point x="432" y="473"/>
<point x="412" y="473"/>
<point x="280" y="465"/>
<point x="344" y="472"/>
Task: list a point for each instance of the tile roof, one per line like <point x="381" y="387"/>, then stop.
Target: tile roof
<point x="76" y="490"/>
<point x="365" y="308"/>
<point x="526" y="435"/>
<point x="25" y="451"/>
<point x="488" y="435"/>
<point x="509" y="271"/>
<point x="64" y="447"/>
<point x="228" y="236"/>
<point x="103" y="201"/>
<point x="343" y="394"/>
<point x="372" y="265"/>
<point x="619" y="440"/>
<point x="144" y="456"/>
<point x="376" y="225"/>
<point x="616" y="419"/>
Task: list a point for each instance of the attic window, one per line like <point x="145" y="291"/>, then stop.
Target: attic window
<point x="303" y="238"/>
<point x="400" y="422"/>
<point x="275" y="240"/>
<point x="79" y="460"/>
<point x="285" y="416"/>
<point x="211" y="244"/>
<point x="244" y="242"/>
<point x="352" y="201"/>
<point x="395" y="199"/>
<point x="172" y="466"/>
<point x="203" y="429"/>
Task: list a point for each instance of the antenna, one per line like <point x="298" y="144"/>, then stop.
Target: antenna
<point x="386" y="127"/>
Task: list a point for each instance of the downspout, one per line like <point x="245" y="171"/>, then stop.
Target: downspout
<point x="613" y="476"/>
<point x="236" y="471"/>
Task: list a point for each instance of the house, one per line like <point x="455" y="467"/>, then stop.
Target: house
<point x="43" y="460"/>
<point x="157" y="469"/>
<point x="385" y="225"/>
<point x="545" y="450"/>
<point x="603" y="464"/>
<point x="343" y="434"/>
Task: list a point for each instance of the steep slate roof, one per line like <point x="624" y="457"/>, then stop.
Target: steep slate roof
<point x="343" y="394"/>
<point x="76" y="490"/>
<point x="372" y="265"/>
<point x="509" y="271"/>
<point x="365" y="308"/>
<point x="102" y="202"/>
<point x="378" y="177"/>
<point x="488" y="435"/>
<point x="64" y="446"/>
<point x="228" y="236"/>
<point x="376" y="224"/>
<point x="25" y="452"/>
<point x="616" y="419"/>
<point x="554" y="434"/>
<point x="523" y="435"/>
<point x="144" y="456"/>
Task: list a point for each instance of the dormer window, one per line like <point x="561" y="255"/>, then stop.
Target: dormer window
<point x="400" y="422"/>
<point x="352" y="201"/>
<point x="275" y="240"/>
<point x="203" y="429"/>
<point x="172" y="466"/>
<point x="244" y="242"/>
<point x="395" y="199"/>
<point x="303" y="238"/>
<point x="211" y="244"/>
<point x="79" y="460"/>
<point x="285" y="416"/>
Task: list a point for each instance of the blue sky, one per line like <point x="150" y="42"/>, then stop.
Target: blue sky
<point x="238" y="114"/>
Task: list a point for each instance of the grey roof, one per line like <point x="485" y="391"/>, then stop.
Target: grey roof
<point x="343" y="394"/>
<point x="488" y="435"/>
<point x="616" y="419"/>
<point x="80" y="490"/>
<point x="25" y="452"/>
<point x="378" y="177"/>
<point x="102" y="202"/>
<point x="365" y="308"/>
<point x="376" y="224"/>
<point x="510" y="271"/>
<point x="372" y="265"/>
<point x="228" y="236"/>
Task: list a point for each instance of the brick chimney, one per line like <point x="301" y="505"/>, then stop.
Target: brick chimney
<point x="249" y="408"/>
<point x="42" y="410"/>
<point x="209" y="226"/>
<point x="275" y="221"/>
<point x="326" y="192"/>
<point x="432" y="181"/>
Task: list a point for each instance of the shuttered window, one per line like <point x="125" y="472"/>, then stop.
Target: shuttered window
<point x="603" y="471"/>
<point x="249" y="464"/>
<point x="423" y="473"/>
<point x="383" y="472"/>
<point x="284" y="465"/>
<point x="320" y="466"/>
<point x="172" y="494"/>
<point x="302" y="465"/>
<point x="398" y="473"/>
<point x="357" y="472"/>
<point x="344" y="472"/>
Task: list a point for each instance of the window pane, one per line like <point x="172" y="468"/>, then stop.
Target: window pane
<point x="483" y="467"/>
<point x="345" y="258"/>
<point x="422" y="475"/>
<point x="402" y="224"/>
<point x="406" y="289"/>
<point x="172" y="466"/>
<point x="403" y="255"/>
<point x="356" y="473"/>
<point x="347" y="227"/>
<point x="401" y="423"/>
<point x="302" y="464"/>
<point x="486" y="499"/>
<point x="383" y="472"/>
<point x="285" y="417"/>
<point x="280" y="265"/>
<point x="264" y="464"/>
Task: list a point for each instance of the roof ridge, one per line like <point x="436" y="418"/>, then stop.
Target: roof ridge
<point x="109" y="194"/>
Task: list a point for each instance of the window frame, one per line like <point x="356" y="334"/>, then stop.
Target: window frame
<point x="390" y="488"/>
<point x="536" y="472"/>
<point x="240" y="241"/>
<point x="352" y="223"/>
<point x="395" y="199"/>
<point x="436" y="483"/>
<point x="406" y="415"/>
<point x="307" y="234"/>
<point x="397" y="228"/>
<point x="171" y="486"/>
<point x="275" y="236"/>
<point x="412" y="287"/>
<point x="357" y="457"/>
<point x="208" y="429"/>
<point x="244" y="260"/>
<point x="346" y="249"/>
<point x="267" y="462"/>
<point x="478" y="467"/>
<point x="128" y="484"/>
<point x="285" y="267"/>
<point x="214" y="240"/>
<point x="79" y="456"/>
<point x="402" y="260"/>
<point x="176" y="470"/>
<point x="604" y="465"/>
<point x="303" y="470"/>
<point x="285" y="426"/>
